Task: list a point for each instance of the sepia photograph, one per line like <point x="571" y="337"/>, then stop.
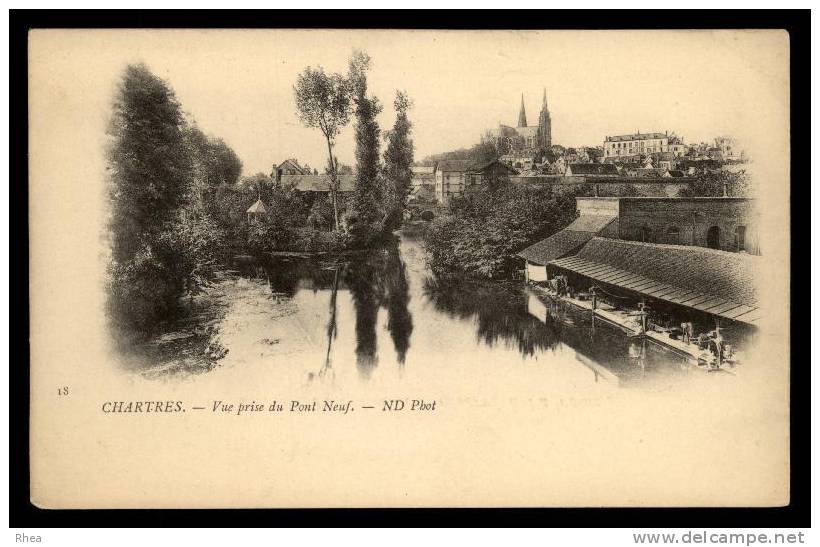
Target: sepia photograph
<point x="410" y="268"/>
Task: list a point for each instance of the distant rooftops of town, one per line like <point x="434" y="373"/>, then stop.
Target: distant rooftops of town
<point x="638" y="137"/>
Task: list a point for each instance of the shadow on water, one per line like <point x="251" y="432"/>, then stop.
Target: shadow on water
<point x="500" y="311"/>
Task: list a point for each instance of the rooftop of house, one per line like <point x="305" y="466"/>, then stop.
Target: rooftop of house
<point x="636" y="137"/>
<point x="294" y="165"/>
<point x="318" y="183"/>
<point x="480" y="167"/>
<point x="453" y="165"/>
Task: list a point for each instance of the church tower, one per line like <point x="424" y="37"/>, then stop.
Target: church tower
<point x="522" y="115"/>
<point x="544" y="124"/>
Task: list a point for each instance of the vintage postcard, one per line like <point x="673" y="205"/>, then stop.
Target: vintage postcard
<point x="409" y="268"/>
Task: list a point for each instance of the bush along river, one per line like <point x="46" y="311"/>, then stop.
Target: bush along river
<point x="383" y="314"/>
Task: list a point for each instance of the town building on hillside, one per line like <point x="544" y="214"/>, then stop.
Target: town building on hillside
<point x="677" y="148"/>
<point x="290" y="167"/>
<point x="454" y="177"/>
<point x="726" y="150"/>
<point x="664" y="160"/>
<point x="450" y="180"/>
<point x="520" y="161"/>
<point x="523" y="140"/>
<point x="422" y="175"/>
<point x="490" y="170"/>
<point x="638" y="144"/>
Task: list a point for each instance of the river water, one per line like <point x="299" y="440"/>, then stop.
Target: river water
<point x="384" y="318"/>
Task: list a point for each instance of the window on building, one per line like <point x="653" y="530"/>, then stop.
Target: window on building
<point x="740" y="238"/>
<point x="713" y="237"/>
<point x="673" y="235"/>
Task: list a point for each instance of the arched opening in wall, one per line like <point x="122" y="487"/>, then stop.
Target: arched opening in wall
<point x="645" y="234"/>
<point x="740" y="238"/>
<point x="713" y="238"/>
<point x="428" y="215"/>
<point x="673" y="235"/>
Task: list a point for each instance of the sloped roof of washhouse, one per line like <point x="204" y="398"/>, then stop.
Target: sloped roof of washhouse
<point x="717" y="282"/>
<point x="568" y="240"/>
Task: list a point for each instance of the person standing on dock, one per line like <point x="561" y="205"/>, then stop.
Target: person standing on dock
<point x="686" y="332"/>
<point x="643" y="313"/>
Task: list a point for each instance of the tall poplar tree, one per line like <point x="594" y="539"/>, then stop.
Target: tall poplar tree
<point x="367" y="199"/>
<point x="398" y="159"/>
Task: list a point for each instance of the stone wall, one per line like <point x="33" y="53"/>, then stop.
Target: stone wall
<point x="609" y="186"/>
<point x="704" y="222"/>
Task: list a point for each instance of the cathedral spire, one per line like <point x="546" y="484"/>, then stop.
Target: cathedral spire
<point x="522" y="115"/>
<point x="544" y="124"/>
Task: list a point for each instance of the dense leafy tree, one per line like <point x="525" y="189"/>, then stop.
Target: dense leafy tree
<point x="487" y="227"/>
<point x="228" y="164"/>
<point x="554" y="152"/>
<point x="164" y="240"/>
<point x="323" y="101"/>
<point x="149" y="162"/>
<point x="477" y="154"/>
<point x="214" y="161"/>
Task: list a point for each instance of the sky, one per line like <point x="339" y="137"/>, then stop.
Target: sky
<point x="238" y="84"/>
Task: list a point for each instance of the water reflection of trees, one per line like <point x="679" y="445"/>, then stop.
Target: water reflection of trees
<point x="379" y="280"/>
<point x="499" y="309"/>
<point x="375" y="280"/>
